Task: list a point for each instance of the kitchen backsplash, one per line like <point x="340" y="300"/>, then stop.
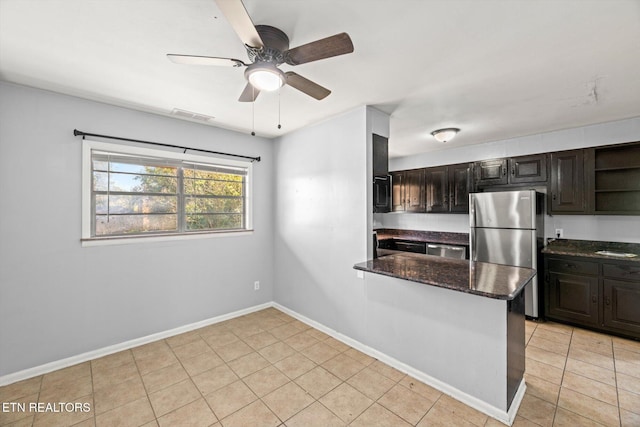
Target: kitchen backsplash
<point x="607" y="228"/>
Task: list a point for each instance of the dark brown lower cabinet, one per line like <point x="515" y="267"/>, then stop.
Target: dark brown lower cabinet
<point x="621" y="290"/>
<point x="573" y="298"/>
<point x="598" y="294"/>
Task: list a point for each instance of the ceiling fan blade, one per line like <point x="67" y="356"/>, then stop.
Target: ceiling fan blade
<point x="306" y="86"/>
<point x="240" y="21"/>
<point x="204" y="60"/>
<point x="339" y="44"/>
<point x="249" y="94"/>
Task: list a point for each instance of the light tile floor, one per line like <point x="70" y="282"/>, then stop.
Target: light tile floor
<point x="268" y="369"/>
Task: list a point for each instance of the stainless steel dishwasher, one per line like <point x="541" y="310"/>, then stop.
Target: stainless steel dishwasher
<point x="448" y="251"/>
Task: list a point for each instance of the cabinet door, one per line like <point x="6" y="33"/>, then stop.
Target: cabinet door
<point x="525" y="169"/>
<point x="573" y="298"/>
<point x="437" y="189"/>
<point x="567" y="182"/>
<point x="381" y="194"/>
<point x="459" y="187"/>
<point x="622" y="305"/>
<point x="397" y="191"/>
<point x="380" y="155"/>
<point x="491" y="172"/>
<point x="414" y="190"/>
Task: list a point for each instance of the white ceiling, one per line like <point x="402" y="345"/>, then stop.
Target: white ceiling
<point x="497" y="69"/>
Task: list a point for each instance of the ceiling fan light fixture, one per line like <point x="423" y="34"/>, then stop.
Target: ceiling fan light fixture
<point x="265" y="76"/>
<point x="445" y="135"/>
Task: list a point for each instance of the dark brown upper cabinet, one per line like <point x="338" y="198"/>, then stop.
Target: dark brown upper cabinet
<point x="567" y="189"/>
<point x="528" y="169"/>
<point x="437" y="189"/>
<point x="459" y="187"/>
<point x="408" y="191"/>
<point x="380" y="155"/>
<point x="381" y="194"/>
<point x="491" y="172"/>
<point x="381" y="178"/>
<point x="511" y="171"/>
<point x="447" y="188"/>
<point x="615" y="179"/>
<point x="600" y="180"/>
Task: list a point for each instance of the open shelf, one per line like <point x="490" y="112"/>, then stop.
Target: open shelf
<point x="617" y="179"/>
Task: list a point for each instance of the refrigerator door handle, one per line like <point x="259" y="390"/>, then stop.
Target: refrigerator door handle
<point x="472" y="244"/>
<point x="472" y="211"/>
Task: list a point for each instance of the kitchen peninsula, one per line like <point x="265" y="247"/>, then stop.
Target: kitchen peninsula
<point x="458" y="324"/>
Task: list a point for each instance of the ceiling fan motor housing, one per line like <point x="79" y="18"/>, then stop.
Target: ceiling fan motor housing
<point x="275" y="43"/>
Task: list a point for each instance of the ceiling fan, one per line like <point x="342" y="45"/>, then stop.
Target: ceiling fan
<point x="267" y="48"/>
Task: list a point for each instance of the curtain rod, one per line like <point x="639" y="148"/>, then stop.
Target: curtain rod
<point x="77" y="132"/>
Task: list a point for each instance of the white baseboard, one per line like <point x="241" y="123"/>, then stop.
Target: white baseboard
<point x="485" y="408"/>
<point x="105" y="351"/>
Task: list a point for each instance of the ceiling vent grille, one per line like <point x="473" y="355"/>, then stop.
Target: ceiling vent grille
<point x="191" y="115"/>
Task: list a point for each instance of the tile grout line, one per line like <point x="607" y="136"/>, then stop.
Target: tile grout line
<point x="146" y="392"/>
<point x="564" y="370"/>
<point x="93" y="394"/>
<point x="615" y="375"/>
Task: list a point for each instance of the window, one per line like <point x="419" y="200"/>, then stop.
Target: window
<point x="132" y="191"/>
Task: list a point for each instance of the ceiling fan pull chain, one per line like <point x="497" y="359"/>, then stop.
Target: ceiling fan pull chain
<point x="253" y="112"/>
<point x="279" y="92"/>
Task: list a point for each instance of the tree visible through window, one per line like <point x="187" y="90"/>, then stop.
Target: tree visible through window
<point x="133" y="195"/>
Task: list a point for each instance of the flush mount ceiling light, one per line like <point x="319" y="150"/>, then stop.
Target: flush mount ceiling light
<point x="444" y="135"/>
<point x="265" y="76"/>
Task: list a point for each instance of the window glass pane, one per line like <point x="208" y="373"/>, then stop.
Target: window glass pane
<point x="134" y="183"/>
<point x="135" y="204"/>
<point x="134" y="224"/>
<point x="100" y="165"/>
<point x="214" y="221"/>
<point x="143" y="183"/>
<point x="100" y="181"/>
<point x="213" y="205"/>
<point x="215" y="187"/>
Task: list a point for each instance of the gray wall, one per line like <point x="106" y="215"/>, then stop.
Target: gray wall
<point x="58" y="299"/>
<point x="582" y="227"/>
<point x="321" y="220"/>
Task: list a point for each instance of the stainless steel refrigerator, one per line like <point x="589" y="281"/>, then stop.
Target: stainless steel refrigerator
<point x="507" y="227"/>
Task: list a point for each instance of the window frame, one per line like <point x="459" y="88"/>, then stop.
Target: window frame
<point x="88" y="146"/>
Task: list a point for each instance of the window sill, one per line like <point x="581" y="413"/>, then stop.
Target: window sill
<point x="152" y="238"/>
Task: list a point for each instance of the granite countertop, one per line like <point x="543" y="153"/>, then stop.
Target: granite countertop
<point x="478" y="278"/>
<point x="424" y="236"/>
<point x="588" y="248"/>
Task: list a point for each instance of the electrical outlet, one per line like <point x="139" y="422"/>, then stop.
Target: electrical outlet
<point x="256" y="285"/>
<point x="559" y="233"/>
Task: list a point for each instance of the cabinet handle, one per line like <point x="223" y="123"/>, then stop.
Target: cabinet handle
<point x="504" y="170"/>
<point x="570" y="265"/>
<point x="607" y="300"/>
<point x="513" y="171"/>
<point x="594" y="299"/>
<point x="553" y="196"/>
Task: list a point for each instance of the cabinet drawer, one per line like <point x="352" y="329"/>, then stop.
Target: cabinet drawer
<point x="629" y="272"/>
<point x="571" y="266"/>
<point x="417" y="247"/>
